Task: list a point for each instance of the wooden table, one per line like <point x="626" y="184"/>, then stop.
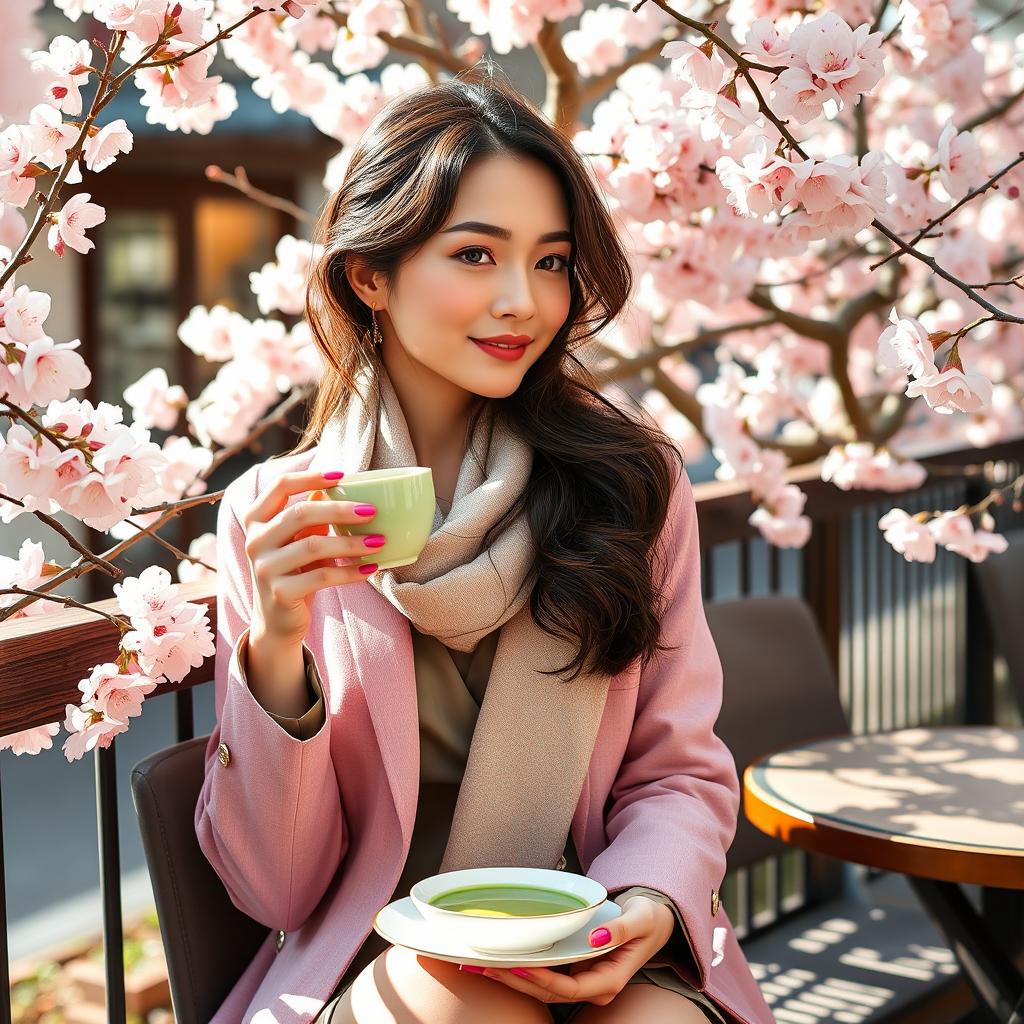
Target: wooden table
<point x="944" y="806"/>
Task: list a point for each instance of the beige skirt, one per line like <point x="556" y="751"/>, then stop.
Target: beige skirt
<point x="563" y="1013"/>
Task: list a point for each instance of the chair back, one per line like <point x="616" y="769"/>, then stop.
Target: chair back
<point x="779" y="690"/>
<point x="1001" y="580"/>
<point x="208" y="941"/>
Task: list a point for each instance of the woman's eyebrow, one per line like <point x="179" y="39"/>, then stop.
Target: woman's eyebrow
<point x="504" y="233"/>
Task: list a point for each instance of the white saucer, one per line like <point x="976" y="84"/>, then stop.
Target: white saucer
<point x="403" y="925"/>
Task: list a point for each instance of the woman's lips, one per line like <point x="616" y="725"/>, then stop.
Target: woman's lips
<point x="508" y="355"/>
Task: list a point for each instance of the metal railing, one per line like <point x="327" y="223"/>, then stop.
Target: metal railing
<point x="905" y="639"/>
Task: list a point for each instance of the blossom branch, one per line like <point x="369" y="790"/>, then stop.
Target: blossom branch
<point x="240" y="181"/>
<point x="629" y="366"/>
<point x="743" y="67"/>
<point x="45" y="208"/>
<point x="996" y="110"/>
<point x="171" y="509"/>
<point x="100" y="563"/>
<point x="123" y="625"/>
<point x="980" y="190"/>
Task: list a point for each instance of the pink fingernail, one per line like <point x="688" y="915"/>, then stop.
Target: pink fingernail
<point x="471" y="968"/>
<point x="335" y="474"/>
<point x="600" y="937"/>
<point x="521" y="972"/>
<point x="365" y="510"/>
<point x="368" y="568"/>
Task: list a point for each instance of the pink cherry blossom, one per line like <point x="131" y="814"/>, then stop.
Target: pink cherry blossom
<point x="30" y="471"/>
<point x="764" y="43"/>
<point x="16" y="147"/>
<point x="170" y="635"/>
<point x="293" y="8"/>
<point x="89" y="729"/>
<point x="12" y="226"/>
<point x="951" y="528"/>
<point x="780" y="520"/>
<point x="597" y="44"/>
<point x="959" y="161"/>
<point x="955" y="532"/>
<point x="24" y="313"/>
<point x="140" y="17"/>
<point x="117" y="695"/>
<point x="102" y="149"/>
<point x="145" y="21"/>
<point x="65" y="67"/>
<point x="761" y="182"/>
<point x="768" y="476"/>
<point x="77" y="216"/>
<point x="154" y="402"/>
<point x="51" y="371"/>
<point x="25" y="571"/>
<point x="30" y="741"/>
<point x="905" y="344"/>
<point x="860" y="465"/>
<point x="16" y="189"/>
<point x="829" y="62"/>
<point x="691" y="65"/>
<point x="51" y="137"/>
<point x="908" y="537"/>
<point x="282" y="285"/>
<point x="952" y="391"/>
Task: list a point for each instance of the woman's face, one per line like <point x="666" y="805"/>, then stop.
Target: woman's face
<point x="477" y="282"/>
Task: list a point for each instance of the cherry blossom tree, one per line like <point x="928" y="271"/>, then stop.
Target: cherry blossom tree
<point x="820" y="201"/>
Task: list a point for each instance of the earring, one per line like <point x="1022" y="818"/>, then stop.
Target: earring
<point x="376" y="335"/>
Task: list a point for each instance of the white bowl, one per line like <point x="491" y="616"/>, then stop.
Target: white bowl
<point x="508" y="934"/>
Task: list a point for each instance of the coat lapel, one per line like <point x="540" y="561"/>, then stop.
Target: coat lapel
<point x="381" y="643"/>
<point x="382" y="648"/>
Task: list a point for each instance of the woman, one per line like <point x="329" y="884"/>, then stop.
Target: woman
<point x="354" y="752"/>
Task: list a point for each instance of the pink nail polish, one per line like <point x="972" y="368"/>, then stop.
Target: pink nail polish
<point x="376" y="540"/>
<point x="365" y="510"/>
<point x="600" y="937"/>
<point x="521" y="972"/>
<point x="335" y="474"/>
<point x="368" y="568"/>
<point x="472" y="968"/>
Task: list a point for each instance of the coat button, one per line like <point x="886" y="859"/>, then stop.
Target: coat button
<point x="560" y="866"/>
<point x="280" y="940"/>
<point x="715" y="902"/>
<point x="224" y="754"/>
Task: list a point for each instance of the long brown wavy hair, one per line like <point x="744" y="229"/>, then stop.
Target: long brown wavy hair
<point x="599" y="491"/>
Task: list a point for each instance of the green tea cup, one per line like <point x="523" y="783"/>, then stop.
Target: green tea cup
<point x="405" y="503"/>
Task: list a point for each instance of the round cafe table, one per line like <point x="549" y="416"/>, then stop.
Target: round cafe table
<point x="944" y="806"/>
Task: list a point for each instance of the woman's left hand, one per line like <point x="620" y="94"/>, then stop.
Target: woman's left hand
<point x="643" y="928"/>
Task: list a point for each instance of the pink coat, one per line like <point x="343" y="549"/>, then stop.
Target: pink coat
<point x="310" y="836"/>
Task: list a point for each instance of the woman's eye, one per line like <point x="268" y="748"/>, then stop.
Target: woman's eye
<point x="472" y="263"/>
<point x="564" y="264"/>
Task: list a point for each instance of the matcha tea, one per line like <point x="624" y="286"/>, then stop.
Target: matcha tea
<point x="507" y="901"/>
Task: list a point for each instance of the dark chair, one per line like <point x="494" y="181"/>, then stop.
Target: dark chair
<point x="867" y="956"/>
<point x="1001" y="581"/>
<point x="208" y="941"/>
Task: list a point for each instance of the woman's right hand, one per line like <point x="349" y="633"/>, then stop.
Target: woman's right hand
<point x="292" y="554"/>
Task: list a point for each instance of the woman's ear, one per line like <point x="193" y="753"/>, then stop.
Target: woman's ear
<point x="366" y="283"/>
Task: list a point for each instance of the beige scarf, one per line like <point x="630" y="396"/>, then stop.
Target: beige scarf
<point x="535" y="733"/>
